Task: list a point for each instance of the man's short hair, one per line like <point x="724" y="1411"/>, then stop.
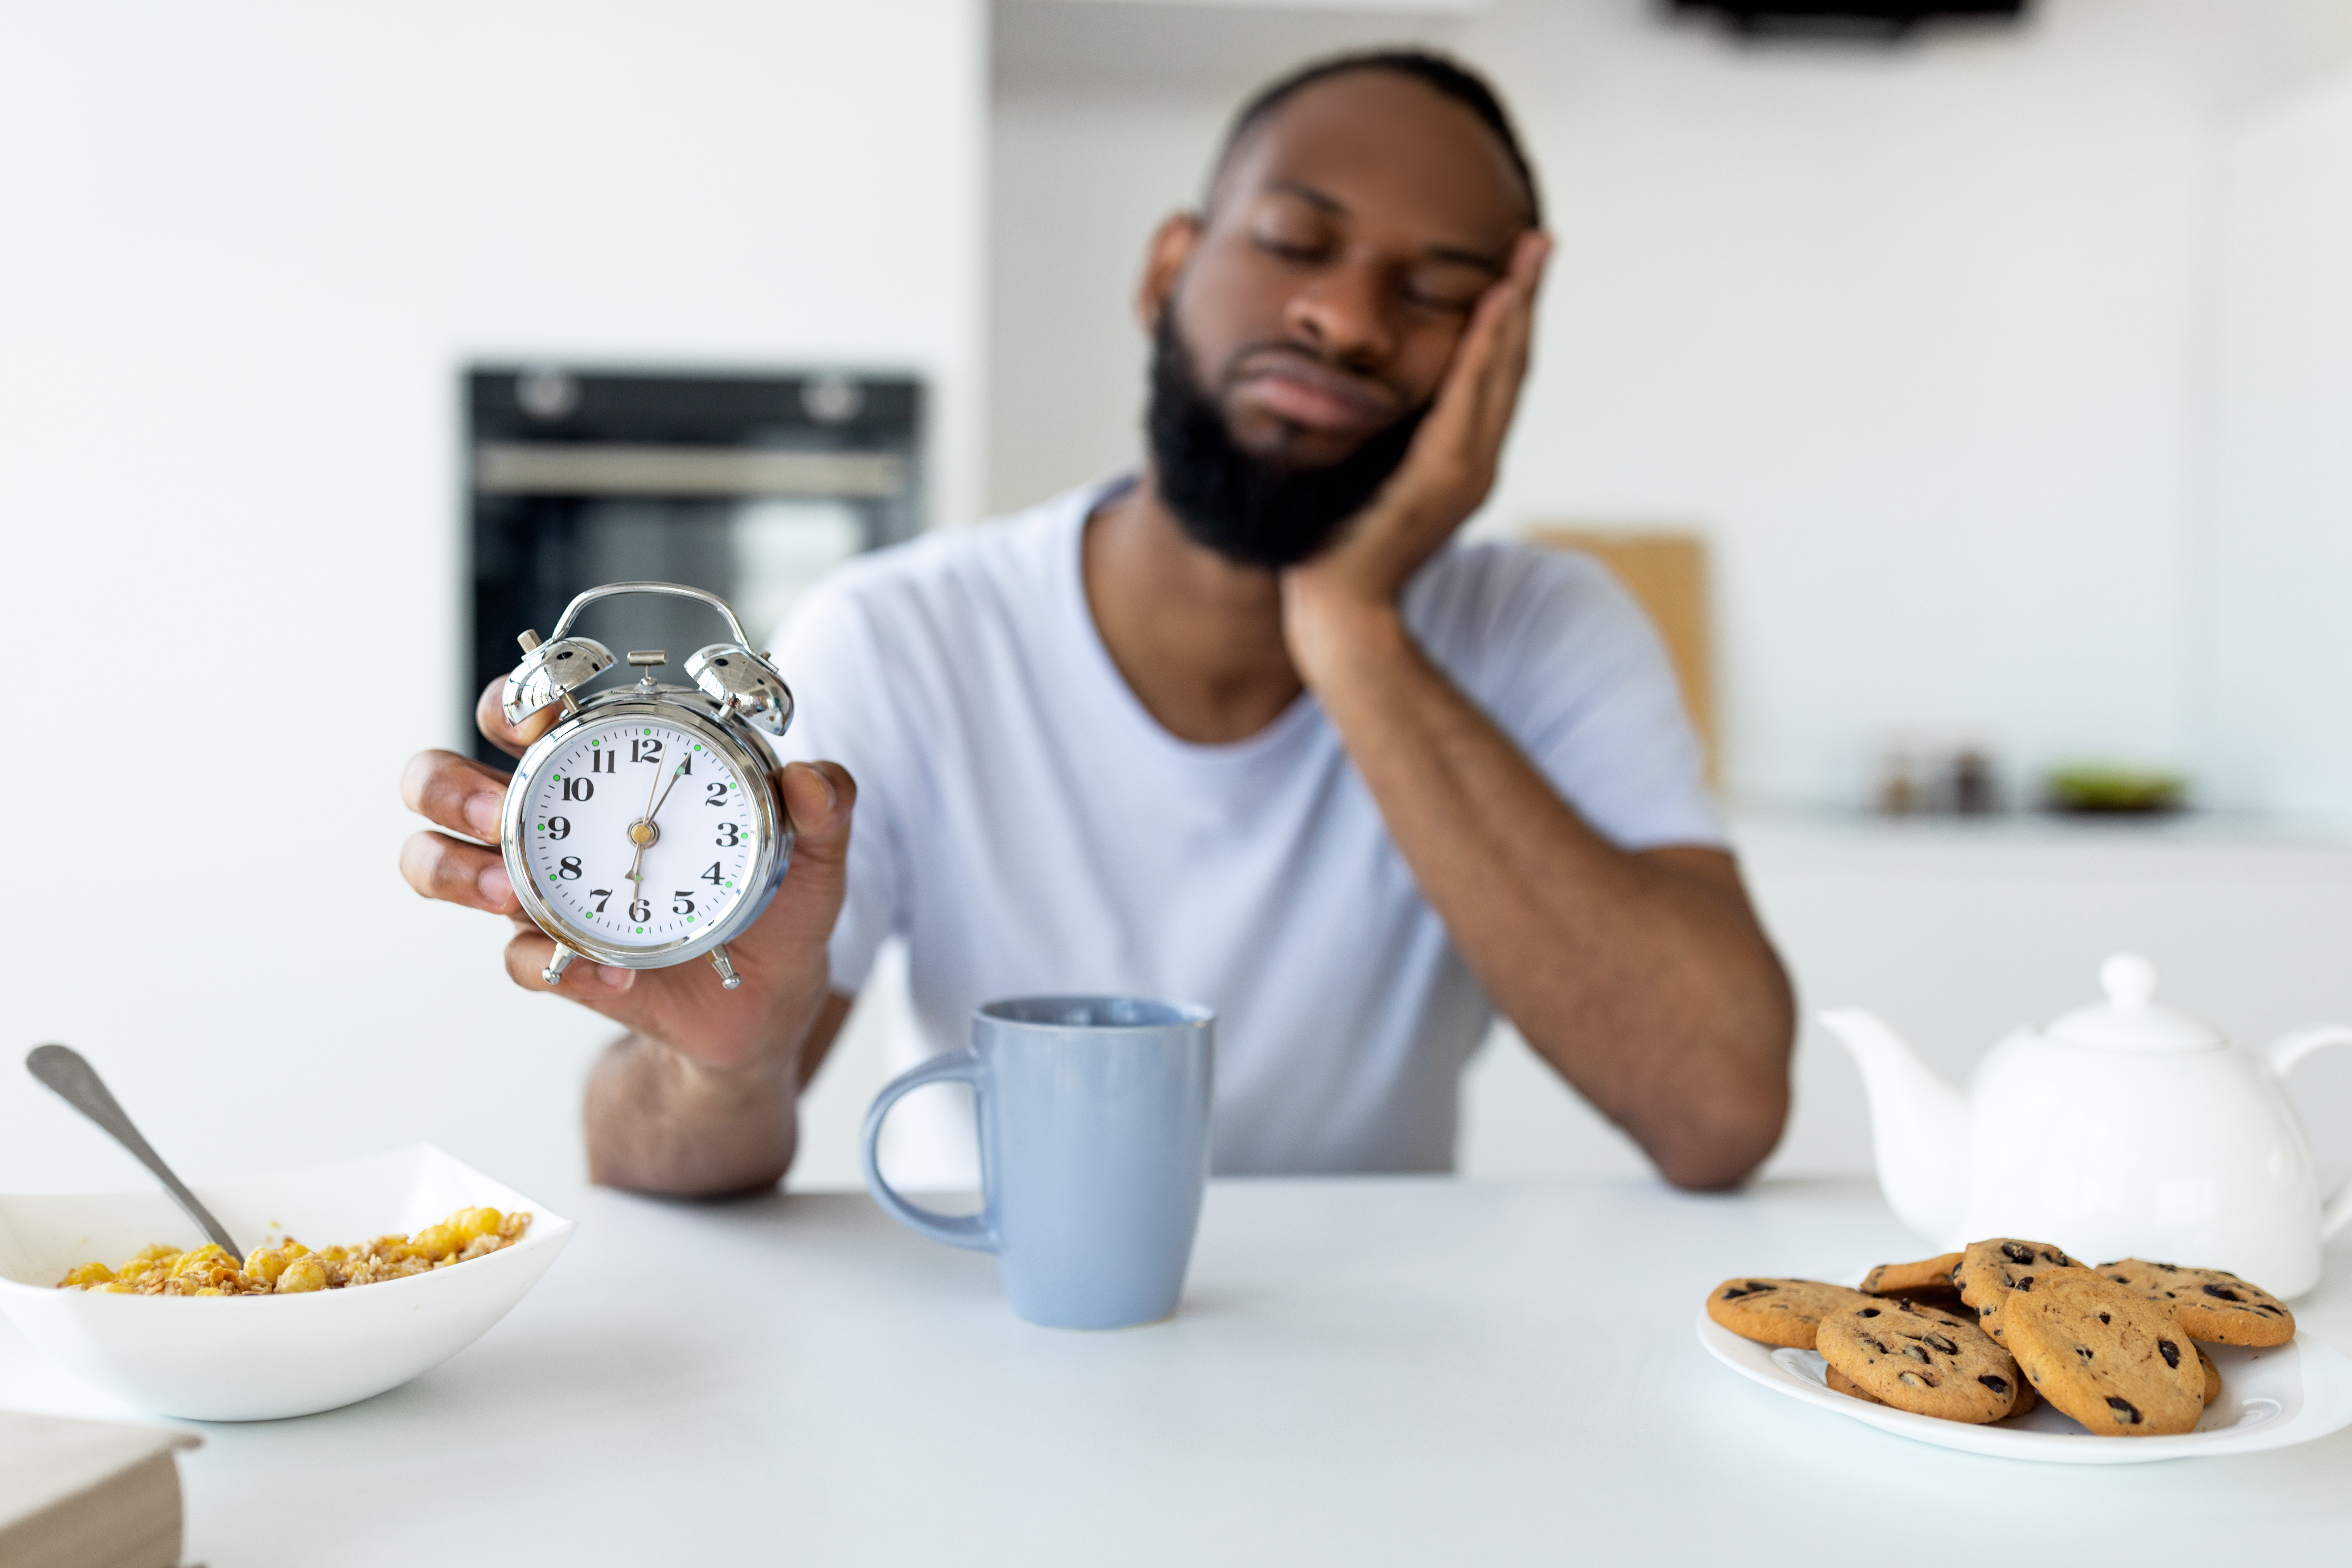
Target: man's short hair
<point x="1447" y="77"/>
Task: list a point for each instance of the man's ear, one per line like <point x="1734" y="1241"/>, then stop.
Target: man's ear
<point x="1163" y="265"/>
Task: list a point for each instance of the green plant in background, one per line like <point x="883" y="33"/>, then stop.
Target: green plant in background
<point x="2102" y="786"/>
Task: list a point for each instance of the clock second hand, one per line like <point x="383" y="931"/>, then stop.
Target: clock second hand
<point x="648" y="816"/>
<point x="634" y="876"/>
<point x="652" y="809"/>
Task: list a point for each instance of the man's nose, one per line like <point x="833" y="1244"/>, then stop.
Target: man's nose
<point x="1342" y="310"/>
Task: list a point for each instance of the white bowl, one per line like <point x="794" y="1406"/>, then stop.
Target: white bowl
<point x="256" y="1357"/>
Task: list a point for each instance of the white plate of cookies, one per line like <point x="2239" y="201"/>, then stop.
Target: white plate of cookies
<point x="2013" y="1348"/>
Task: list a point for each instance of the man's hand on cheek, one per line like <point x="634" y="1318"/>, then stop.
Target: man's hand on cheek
<point x="1352" y="587"/>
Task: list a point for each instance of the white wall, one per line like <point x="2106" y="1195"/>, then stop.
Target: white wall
<point x="248" y="246"/>
<point x="1916" y="337"/>
<point x="2282" y="547"/>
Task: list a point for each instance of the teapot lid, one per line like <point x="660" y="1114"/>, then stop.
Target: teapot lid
<point x="2130" y="1018"/>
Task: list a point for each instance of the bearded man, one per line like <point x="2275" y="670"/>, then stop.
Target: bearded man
<point x="1248" y="727"/>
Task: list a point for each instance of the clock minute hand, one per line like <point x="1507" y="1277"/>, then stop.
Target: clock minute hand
<point x="655" y="810"/>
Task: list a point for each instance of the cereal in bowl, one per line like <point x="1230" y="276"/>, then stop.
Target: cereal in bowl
<point x="291" y="1268"/>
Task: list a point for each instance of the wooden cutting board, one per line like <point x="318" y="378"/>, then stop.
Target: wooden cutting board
<point x="1666" y="571"/>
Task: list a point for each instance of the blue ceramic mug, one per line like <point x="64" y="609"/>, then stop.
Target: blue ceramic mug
<point x="1094" y="1153"/>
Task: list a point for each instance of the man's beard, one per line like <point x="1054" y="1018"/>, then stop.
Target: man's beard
<point x="1252" y="512"/>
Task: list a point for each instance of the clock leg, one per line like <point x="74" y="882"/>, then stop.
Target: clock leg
<point x="727" y="975"/>
<point x="553" y="973"/>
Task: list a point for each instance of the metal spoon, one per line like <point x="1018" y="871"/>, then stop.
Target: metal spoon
<point x="78" y="1084"/>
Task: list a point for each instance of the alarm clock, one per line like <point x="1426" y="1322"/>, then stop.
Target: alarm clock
<point x="644" y="830"/>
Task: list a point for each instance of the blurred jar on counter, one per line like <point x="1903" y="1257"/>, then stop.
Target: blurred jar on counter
<point x="1958" y="781"/>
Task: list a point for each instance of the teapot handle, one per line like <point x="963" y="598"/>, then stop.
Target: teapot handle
<point x="2286" y="1052"/>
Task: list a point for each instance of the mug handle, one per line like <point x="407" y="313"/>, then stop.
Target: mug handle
<point x="957" y="1230"/>
<point x="2283" y="1053"/>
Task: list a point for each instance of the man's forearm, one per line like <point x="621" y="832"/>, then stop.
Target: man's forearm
<point x="659" y="1123"/>
<point x="1643" y="978"/>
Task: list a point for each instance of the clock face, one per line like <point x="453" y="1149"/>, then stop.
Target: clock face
<point x="638" y="834"/>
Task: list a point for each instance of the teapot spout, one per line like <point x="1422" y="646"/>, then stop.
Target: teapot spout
<point x="1918" y="1125"/>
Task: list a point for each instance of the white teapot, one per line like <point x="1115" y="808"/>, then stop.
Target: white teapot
<point x="2120" y="1130"/>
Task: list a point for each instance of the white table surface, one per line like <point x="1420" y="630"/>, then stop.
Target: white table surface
<point x="1372" y="1371"/>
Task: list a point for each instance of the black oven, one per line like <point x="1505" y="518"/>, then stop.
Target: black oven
<point x="750" y="486"/>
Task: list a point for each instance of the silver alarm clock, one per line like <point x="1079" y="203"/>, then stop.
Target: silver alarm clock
<point x="644" y="829"/>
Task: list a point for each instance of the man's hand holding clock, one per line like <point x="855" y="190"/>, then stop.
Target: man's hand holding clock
<point x="695" y="1048"/>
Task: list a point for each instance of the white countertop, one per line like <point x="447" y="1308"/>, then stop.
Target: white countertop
<point x="1372" y="1371"/>
<point x="2325" y="842"/>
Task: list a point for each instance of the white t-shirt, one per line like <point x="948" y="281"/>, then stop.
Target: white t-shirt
<point x="1028" y="827"/>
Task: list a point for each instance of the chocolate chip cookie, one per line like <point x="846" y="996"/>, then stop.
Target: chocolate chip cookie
<point x="1778" y="1311"/>
<point x="2212" y="1377"/>
<point x="1840" y="1383"/>
<point x="1927" y="1282"/>
<point x="1908" y="1279"/>
<point x="2026" y="1399"/>
<point x="1922" y="1360"/>
<point x="2104" y="1355"/>
<point x="1989" y="1272"/>
<point x="2211" y="1305"/>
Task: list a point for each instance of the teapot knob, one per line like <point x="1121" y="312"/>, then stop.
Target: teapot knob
<point x="2128" y="980"/>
